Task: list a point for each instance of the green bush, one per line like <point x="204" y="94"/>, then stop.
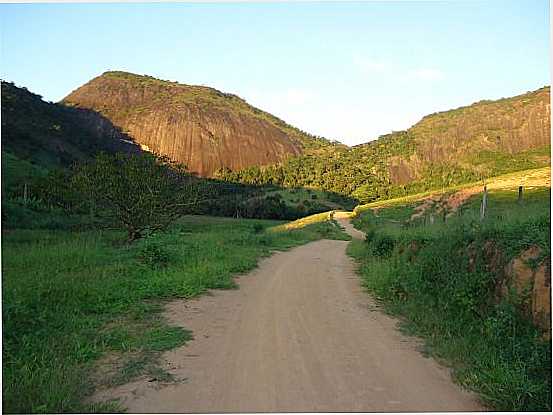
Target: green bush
<point x="154" y="255"/>
<point x="382" y="245"/>
<point x="370" y="234"/>
<point x="257" y="228"/>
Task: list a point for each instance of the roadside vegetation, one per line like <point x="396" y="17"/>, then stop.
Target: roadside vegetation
<point x="90" y="254"/>
<point x="449" y="282"/>
<point x="70" y="298"/>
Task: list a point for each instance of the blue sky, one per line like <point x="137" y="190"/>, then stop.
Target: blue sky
<point x="345" y="70"/>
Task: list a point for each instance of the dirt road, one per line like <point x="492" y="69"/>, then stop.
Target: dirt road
<point x="300" y="335"/>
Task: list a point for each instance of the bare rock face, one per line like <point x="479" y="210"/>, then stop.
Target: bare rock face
<point x="201" y="127"/>
<point x="483" y="139"/>
<point x="508" y="125"/>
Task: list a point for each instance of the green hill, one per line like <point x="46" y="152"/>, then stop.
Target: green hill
<point x="443" y="149"/>
<point x="51" y="134"/>
<point x="220" y="135"/>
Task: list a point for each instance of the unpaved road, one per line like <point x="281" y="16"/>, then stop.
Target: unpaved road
<point x="300" y="335"/>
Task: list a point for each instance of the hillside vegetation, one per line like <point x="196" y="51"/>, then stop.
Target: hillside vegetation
<point x="478" y="291"/>
<point x="444" y="149"/>
<point x="220" y="133"/>
<point x="71" y="298"/>
<point x="51" y="135"/>
<point x="42" y="142"/>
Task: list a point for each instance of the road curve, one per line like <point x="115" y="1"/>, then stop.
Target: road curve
<point x="300" y="335"/>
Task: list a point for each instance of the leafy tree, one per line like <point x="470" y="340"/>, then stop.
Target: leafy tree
<point x="137" y="192"/>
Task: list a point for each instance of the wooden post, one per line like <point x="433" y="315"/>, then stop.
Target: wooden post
<point x="484" y="203"/>
<point x="519" y="194"/>
<point x="25" y="194"/>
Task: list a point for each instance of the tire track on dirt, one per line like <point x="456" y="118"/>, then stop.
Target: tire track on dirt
<point x="300" y="335"/>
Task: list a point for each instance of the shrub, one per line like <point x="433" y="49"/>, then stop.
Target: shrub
<point x="369" y="235"/>
<point x="257" y="228"/>
<point x="154" y="255"/>
<point x="382" y="245"/>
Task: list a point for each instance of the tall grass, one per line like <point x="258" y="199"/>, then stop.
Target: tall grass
<point x="443" y="280"/>
<point x="70" y="298"/>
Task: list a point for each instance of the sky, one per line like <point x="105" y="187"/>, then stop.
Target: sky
<point x="348" y="71"/>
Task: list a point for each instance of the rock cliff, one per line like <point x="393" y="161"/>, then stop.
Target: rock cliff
<point x="203" y="128"/>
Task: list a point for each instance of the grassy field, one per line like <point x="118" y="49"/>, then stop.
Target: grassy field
<point x="528" y="178"/>
<point x="73" y="299"/>
<point x="442" y="280"/>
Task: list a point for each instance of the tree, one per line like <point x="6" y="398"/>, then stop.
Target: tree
<point x="137" y="192"/>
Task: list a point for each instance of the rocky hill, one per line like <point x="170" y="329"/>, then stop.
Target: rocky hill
<point x="477" y="135"/>
<point x="447" y="148"/>
<point x="220" y="135"/>
<point x="203" y="128"/>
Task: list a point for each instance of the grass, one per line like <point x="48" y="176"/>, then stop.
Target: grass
<point x="318" y="219"/>
<point x="531" y="177"/>
<point x="302" y="222"/>
<point x="72" y="299"/>
<point x="443" y="280"/>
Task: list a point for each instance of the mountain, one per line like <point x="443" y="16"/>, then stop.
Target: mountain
<point x="478" y="135"/>
<point x="51" y="134"/>
<point x="203" y="128"/>
<point x="447" y="148"/>
<point x="220" y="135"/>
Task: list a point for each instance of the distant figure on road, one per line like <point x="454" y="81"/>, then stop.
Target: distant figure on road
<point x="331" y="215"/>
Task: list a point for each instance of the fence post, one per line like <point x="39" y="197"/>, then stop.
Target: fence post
<point x="519" y="194"/>
<point x="25" y="194"/>
<point x="484" y="204"/>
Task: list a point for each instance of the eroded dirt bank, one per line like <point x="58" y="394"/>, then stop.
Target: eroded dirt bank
<point x="300" y="335"/>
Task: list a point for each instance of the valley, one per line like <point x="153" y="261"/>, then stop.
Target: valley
<point x="128" y="202"/>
